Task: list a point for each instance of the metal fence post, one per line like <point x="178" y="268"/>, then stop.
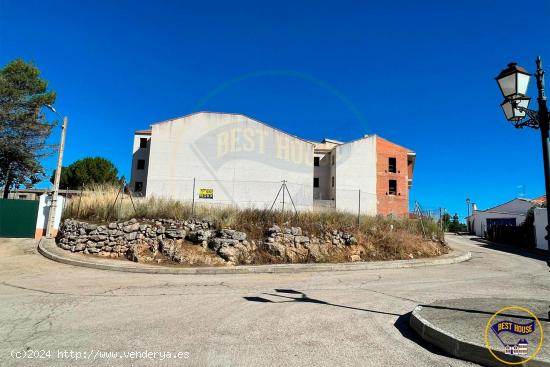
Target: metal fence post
<point x="443" y="233"/>
<point x="193" y="199"/>
<point x="359" y="209"/>
<point x="442" y="217"/>
<point x="79" y="200"/>
<point x="284" y="187"/>
<point x="121" y="200"/>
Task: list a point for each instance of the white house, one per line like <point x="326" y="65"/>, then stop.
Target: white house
<point x="232" y="159"/>
<point x="512" y="213"/>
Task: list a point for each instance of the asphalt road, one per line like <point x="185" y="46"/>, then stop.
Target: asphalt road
<point x="356" y="318"/>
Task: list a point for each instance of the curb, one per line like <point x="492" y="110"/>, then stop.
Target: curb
<point x="49" y="249"/>
<point x="458" y="347"/>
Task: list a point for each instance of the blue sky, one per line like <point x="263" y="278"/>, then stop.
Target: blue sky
<point x="419" y="73"/>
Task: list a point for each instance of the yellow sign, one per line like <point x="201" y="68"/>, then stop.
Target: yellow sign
<point x="206" y="193"/>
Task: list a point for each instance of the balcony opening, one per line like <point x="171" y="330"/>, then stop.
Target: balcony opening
<point x="392" y="165"/>
<point x="392" y="190"/>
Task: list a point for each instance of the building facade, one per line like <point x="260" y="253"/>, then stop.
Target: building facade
<point x="232" y="159"/>
<point x="34" y="194"/>
<point x="511" y="213"/>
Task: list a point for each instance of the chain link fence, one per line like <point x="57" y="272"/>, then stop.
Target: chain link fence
<point x="274" y="195"/>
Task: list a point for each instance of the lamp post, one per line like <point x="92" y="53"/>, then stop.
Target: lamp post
<point x="53" y="206"/>
<point x="513" y="82"/>
<point x="468" y="217"/>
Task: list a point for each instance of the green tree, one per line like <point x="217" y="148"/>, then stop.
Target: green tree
<point x="446" y="219"/>
<point x="23" y="127"/>
<point x="456" y="226"/>
<point x="87" y="171"/>
<point x="528" y="226"/>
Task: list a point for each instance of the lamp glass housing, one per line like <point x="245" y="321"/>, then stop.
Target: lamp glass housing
<point x="511" y="110"/>
<point x="513" y="81"/>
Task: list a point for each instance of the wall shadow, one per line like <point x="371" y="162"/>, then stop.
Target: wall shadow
<point x="530" y="253"/>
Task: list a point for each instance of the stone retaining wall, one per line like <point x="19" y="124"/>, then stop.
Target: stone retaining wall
<point x="199" y="242"/>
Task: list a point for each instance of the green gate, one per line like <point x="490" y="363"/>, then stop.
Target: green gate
<point x="18" y="218"/>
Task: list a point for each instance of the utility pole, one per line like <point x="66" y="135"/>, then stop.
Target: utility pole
<point x="53" y="206"/>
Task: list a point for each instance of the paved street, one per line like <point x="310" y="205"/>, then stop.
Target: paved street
<point x="326" y="319"/>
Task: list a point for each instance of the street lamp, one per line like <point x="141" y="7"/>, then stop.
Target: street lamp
<point x="513" y="82"/>
<point x="468" y="218"/>
<point x="53" y="206"/>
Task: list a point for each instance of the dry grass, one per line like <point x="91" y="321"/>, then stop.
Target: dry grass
<point x="100" y="203"/>
<point x="382" y="237"/>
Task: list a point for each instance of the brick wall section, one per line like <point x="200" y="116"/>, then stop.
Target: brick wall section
<point x="392" y="204"/>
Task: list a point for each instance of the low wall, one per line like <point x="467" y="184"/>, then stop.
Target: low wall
<point x="199" y="242"/>
<point x="541" y="221"/>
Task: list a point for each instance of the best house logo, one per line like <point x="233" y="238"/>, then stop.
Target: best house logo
<point x="515" y="333"/>
<point x="255" y="144"/>
<point x="519" y="348"/>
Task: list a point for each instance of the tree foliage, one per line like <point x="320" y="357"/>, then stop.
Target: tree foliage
<point x="23" y="127"/>
<point x="455" y="225"/>
<point x="446" y="219"/>
<point x="528" y="226"/>
<point x="87" y="171"/>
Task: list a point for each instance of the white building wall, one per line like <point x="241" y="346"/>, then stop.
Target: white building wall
<point x="356" y="170"/>
<point x="323" y="172"/>
<point x="242" y="160"/>
<point x="137" y="154"/>
<point x="478" y="220"/>
<point x="332" y="188"/>
<point x="541" y="221"/>
<point x="516" y="208"/>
